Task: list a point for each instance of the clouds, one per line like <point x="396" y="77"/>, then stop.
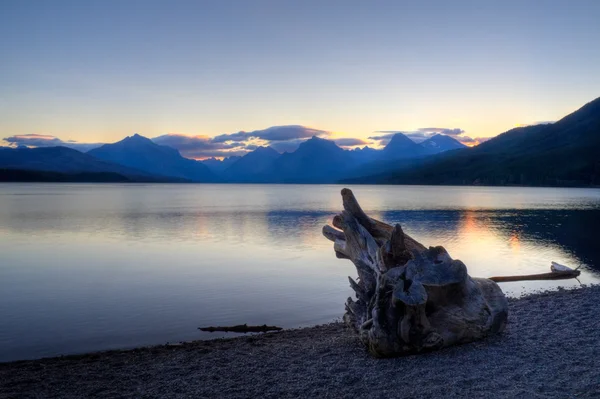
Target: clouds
<point x="34" y="140"/>
<point x="415" y="135"/>
<point x="468" y="141"/>
<point x="442" y="130"/>
<point x="350" y="142"/>
<point x="419" y="137"/>
<point x="292" y="145"/>
<point x="281" y="138"/>
<point x="424" y="133"/>
<point x="388" y="134"/>
<point x="200" y="146"/>
<point x="385" y="138"/>
<point x="45" y="140"/>
<point x="274" y="133"/>
<point x="465" y="140"/>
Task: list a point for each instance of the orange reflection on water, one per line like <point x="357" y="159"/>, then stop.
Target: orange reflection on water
<point x="469" y="223"/>
<point x="515" y="242"/>
<point x="477" y="243"/>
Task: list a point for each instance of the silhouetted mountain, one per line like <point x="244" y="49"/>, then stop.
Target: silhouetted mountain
<point x="376" y="168"/>
<point x="142" y="153"/>
<point x="315" y="161"/>
<point x="365" y="155"/>
<point x="61" y="160"/>
<point x="38" y="176"/>
<point x="441" y="143"/>
<point x="400" y="152"/>
<point x="252" y="165"/>
<point x="564" y="153"/>
<point x="401" y="147"/>
<point x="322" y="161"/>
<point x="218" y="166"/>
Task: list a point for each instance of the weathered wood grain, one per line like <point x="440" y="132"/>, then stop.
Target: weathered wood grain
<point x="409" y="298"/>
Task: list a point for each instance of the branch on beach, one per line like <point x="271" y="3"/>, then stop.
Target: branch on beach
<point x="242" y="328"/>
<point x="557" y="272"/>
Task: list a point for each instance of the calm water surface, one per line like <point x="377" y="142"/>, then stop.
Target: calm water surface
<point x="86" y="267"/>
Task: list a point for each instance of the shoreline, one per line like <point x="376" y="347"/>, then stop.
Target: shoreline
<point x="551" y="348"/>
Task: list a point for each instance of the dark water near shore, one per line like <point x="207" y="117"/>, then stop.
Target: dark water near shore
<point x="86" y="267"/>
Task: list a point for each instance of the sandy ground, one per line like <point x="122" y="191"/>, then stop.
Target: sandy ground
<point x="551" y="349"/>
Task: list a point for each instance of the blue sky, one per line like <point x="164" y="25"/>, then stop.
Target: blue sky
<point x="96" y="71"/>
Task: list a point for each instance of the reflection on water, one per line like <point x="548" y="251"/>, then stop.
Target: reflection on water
<point x="89" y="267"/>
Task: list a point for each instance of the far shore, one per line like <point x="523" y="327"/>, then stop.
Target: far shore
<point x="551" y="348"/>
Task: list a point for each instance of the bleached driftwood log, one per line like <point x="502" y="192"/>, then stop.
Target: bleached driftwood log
<point x="410" y="298"/>
<point x="557" y="272"/>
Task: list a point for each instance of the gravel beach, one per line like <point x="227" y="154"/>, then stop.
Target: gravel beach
<point x="551" y="348"/>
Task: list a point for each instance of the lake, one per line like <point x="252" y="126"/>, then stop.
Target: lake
<point x="87" y="267"/>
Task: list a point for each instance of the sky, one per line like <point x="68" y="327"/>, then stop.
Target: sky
<point x="185" y="72"/>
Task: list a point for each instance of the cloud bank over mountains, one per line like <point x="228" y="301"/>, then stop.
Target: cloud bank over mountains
<point x="200" y="146"/>
<point x="285" y="138"/>
<point x="424" y="133"/>
<point x="281" y="138"/>
<point x="274" y="133"/>
<point x="44" y="140"/>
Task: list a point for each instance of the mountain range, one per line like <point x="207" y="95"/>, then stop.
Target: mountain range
<point x="62" y="160"/>
<point x="141" y="153"/>
<point x="219" y="165"/>
<point x="137" y="158"/>
<point x="319" y="160"/>
<point x="564" y="153"/>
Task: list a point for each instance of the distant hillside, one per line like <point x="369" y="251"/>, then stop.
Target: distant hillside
<point x="441" y="143"/>
<point x="364" y="155"/>
<point x="401" y="152"/>
<point x="252" y="165"/>
<point x="401" y="147"/>
<point x="38" y="176"/>
<point x="61" y="160"/>
<point x="142" y="153"/>
<point x="319" y="160"/>
<point x="565" y="153"/>
<point x="218" y="166"/>
<point x="315" y="161"/>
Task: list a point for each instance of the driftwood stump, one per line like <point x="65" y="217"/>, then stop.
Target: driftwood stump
<point x="410" y="298"/>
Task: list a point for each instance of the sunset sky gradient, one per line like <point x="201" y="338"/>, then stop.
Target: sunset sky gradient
<point x="96" y="71"/>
